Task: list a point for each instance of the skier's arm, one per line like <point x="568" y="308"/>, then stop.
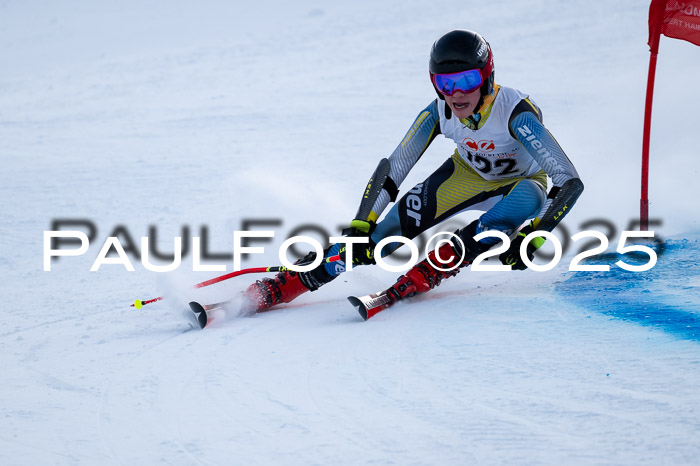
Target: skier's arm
<point x="422" y="132"/>
<point x="526" y="126"/>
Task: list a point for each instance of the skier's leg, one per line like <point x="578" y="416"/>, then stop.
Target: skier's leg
<point x="523" y="202"/>
<point x="508" y="203"/>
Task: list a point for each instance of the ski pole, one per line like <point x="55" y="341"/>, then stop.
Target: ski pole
<point x="138" y="304"/>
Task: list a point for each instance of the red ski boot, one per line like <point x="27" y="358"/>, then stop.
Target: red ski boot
<point x="268" y="292"/>
<point x="287" y="285"/>
<point x="424" y="276"/>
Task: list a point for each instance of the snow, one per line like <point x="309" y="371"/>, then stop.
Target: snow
<point x="179" y="115"/>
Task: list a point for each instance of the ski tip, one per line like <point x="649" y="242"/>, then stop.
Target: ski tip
<point x="199" y="313"/>
<point x="360" y="307"/>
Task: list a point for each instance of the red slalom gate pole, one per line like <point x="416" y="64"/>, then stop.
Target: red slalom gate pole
<point x="656" y="15"/>
<point x="644" y="200"/>
<point x="138" y="304"/>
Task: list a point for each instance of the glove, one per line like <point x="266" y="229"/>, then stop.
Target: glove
<point x="363" y="254"/>
<point x="512" y="255"/>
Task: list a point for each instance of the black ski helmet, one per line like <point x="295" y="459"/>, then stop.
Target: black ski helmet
<point x="462" y="50"/>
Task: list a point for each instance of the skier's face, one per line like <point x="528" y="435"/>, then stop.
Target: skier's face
<point x="463" y="104"/>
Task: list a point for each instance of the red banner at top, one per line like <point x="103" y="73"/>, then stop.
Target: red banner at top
<point x="679" y="19"/>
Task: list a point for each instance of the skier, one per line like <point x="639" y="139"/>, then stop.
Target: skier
<point x="504" y="154"/>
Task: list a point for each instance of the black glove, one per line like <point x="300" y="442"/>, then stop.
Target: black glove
<point x="363" y="253"/>
<point x="512" y="255"/>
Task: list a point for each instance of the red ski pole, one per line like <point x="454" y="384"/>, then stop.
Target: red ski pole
<point x="138" y="304"/>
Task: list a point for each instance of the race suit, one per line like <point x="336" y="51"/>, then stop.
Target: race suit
<point x="503" y="157"/>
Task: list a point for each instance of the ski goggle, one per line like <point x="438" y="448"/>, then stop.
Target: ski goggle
<point x="465" y="81"/>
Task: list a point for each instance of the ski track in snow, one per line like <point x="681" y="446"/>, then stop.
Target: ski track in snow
<point x="183" y="115"/>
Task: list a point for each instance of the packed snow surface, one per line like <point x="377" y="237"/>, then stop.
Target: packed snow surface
<point x="167" y="119"/>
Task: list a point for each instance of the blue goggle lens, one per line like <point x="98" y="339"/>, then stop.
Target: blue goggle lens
<point x="464" y="81"/>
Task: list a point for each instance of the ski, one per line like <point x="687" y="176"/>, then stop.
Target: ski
<point x="368" y="306"/>
<point x="371" y="304"/>
<point x="198" y="315"/>
<point x="201" y="315"/>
